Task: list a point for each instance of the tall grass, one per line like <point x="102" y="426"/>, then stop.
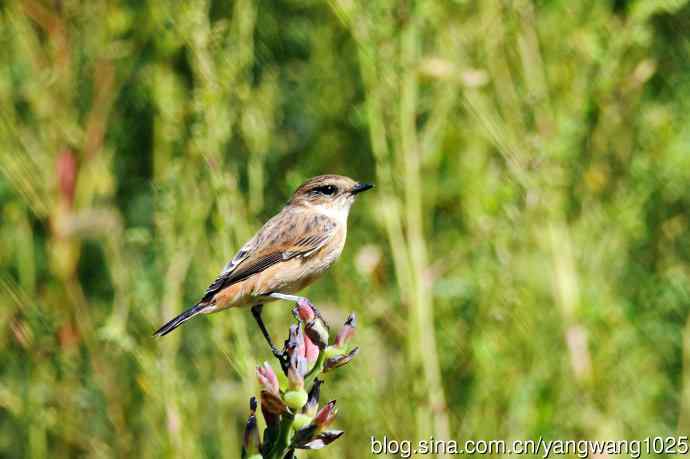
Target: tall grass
<point x="520" y="270"/>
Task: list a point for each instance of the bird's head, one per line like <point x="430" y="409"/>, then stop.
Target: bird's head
<point x="330" y="193"/>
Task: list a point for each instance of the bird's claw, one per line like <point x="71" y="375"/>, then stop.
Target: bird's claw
<point x="282" y="356"/>
<point x="277" y="353"/>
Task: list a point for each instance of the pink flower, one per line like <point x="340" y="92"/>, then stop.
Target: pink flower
<point x="339" y="360"/>
<point x="305" y="311"/>
<point x="311" y="350"/>
<point x="347" y="332"/>
<point x="326" y="415"/>
<point x="268" y="379"/>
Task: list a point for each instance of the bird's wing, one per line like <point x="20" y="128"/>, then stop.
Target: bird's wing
<point x="282" y="238"/>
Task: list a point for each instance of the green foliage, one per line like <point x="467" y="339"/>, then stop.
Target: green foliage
<point x="521" y="270"/>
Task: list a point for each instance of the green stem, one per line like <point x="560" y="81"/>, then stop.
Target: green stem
<point x="282" y="441"/>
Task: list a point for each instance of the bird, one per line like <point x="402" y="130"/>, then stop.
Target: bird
<point x="290" y="251"/>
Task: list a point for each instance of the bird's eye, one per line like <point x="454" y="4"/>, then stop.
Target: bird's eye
<point x="326" y="189"/>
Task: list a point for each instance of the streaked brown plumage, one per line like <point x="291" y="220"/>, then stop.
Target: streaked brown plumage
<point x="291" y="250"/>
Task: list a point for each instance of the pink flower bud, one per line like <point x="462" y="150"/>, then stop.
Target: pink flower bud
<point x="339" y="360"/>
<point x="311" y="350"/>
<point x="347" y="332"/>
<point x="326" y="415"/>
<point x="305" y="311"/>
<point x="268" y="379"/>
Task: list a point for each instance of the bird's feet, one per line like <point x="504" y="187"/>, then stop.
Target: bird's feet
<point x="301" y="302"/>
<point x="282" y="356"/>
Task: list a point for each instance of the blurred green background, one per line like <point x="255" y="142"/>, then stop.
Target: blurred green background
<point x="520" y="270"/>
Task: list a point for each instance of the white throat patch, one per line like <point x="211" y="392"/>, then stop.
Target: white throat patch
<point x="337" y="213"/>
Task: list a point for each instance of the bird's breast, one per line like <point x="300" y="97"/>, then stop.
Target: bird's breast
<point x="331" y="250"/>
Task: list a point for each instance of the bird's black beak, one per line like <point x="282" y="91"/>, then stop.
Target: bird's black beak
<point x="361" y="187"/>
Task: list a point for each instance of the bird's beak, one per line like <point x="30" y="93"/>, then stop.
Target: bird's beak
<point x="361" y="187"/>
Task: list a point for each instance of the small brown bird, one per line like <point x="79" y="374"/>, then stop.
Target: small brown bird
<point x="292" y="250"/>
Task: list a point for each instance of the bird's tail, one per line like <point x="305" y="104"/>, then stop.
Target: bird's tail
<point x="180" y="319"/>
